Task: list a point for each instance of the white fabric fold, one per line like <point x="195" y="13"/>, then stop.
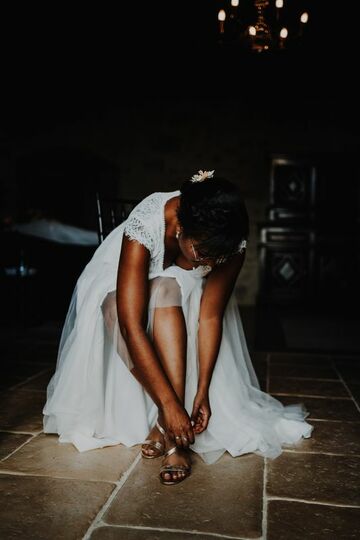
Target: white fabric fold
<point x="94" y="401"/>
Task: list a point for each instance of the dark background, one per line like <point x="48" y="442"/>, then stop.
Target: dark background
<point x="149" y="95"/>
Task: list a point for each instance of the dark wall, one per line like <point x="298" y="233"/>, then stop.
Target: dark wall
<point x="107" y="109"/>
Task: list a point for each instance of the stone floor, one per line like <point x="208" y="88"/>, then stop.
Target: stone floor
<point x="51" y="491"/>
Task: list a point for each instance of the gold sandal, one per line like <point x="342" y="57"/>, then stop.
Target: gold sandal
<point x="156" y="444"/>
<point x="173" y="468"/>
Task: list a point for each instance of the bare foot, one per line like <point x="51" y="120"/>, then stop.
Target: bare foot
<point x="150" y="450"/>
<point x="180" y="457"/>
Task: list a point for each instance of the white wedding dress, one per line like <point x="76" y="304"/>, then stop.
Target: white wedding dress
<point x="93" y="400"/>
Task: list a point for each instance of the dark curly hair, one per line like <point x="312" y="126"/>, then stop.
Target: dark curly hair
<point x="214" y="213"/>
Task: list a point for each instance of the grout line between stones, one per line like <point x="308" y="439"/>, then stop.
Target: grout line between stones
<point x="311" y="396"/>
<point x="291" y="451"/>
<point x="310" y="419"/>
<point x="182" y="531"/>
<point x="36" y="390"/>
<point x="305" y="501"/>
<point x="315" y="379"/>
<point x="37" y="475"/>
<point x="20" y="432"/>
<point x="38" y="374"/>
<point x="106" y="505"/>
<point x="18" y="448"/>
<point x="323" y="356"/>
<point x="347" y="388"/>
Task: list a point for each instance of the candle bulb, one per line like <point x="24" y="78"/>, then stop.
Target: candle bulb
<point x="234" y="6"/>
<point x="279" y="4"/>
<point x="221" y="19"/>
<point x="304" y="17"/>
<point x="303" y="20"/>
<point x="283" y="36"/>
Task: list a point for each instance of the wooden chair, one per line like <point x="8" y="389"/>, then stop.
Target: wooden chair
<point x="111" y="212"/>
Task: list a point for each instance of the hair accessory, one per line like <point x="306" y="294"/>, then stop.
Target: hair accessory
<point x="202" y="175"/>
<point x="242" y="246"/>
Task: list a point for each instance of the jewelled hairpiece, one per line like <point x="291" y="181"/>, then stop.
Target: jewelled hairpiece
<point x="242" y="246"/>
<point x="202" y="175"/>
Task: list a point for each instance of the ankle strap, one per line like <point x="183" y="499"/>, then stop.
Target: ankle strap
<point x="161" y="429"/>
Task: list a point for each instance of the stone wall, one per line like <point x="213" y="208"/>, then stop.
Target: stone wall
<point x="157" y="143"/>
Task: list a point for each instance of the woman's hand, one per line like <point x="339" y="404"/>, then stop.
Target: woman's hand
<point x="176" y="422"/>
<point x="201" y="411"/>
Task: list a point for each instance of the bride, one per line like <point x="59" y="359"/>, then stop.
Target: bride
<point x="153" y="350"/>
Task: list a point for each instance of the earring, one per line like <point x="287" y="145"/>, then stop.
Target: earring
<point x="177" y="235"/>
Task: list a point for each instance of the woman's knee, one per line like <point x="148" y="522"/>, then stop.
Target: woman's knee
<point x="165" y="292"/>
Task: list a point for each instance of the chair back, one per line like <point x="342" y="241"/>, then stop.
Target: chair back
<point x="111" y="212"/>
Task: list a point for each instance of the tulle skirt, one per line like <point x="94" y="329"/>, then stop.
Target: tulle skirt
<point x="93" y="400"/>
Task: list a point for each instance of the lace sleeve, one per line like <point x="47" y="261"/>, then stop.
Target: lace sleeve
<point x="135" y="229"/>
<point x="142" y="224"/>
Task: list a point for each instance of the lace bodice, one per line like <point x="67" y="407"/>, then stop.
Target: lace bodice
<point x="146" y="225"/>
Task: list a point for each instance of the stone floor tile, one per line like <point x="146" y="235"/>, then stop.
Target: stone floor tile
<point x="16" y="374"/>
<point x="10" y="442"/>
<point x="38" y="508"/>
<point x="223" y="498"/>
<point x="45" y="456"/>
<point x="315" y="477"/>
<point x="350" y="374"/>
<point x="354" y="389"/>
<point x="39" y="382"/>
<point x="353" y="360"/>
<point x="259" y="356"/>
<point x="325" y="409"/>
<point x="123" y="533"/>
<point x="21" y="410"/>
<point x="305" y="387"/>
<point x="22" y="370"/>
<point x="29" y="351"/>
<point x="303" y="370"/>
<point x="7" y="380"/>
<point x="331" y="437"/>
<point x="288" y="520"/>
<point x="300" y="358"/>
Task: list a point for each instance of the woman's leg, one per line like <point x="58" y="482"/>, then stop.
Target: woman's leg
<point x="170" y="342"/>
<point x="169" y="339"/>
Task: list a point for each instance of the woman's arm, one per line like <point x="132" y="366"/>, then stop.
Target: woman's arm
<point x="218" y="288"/>
<point x="132" y="300"/>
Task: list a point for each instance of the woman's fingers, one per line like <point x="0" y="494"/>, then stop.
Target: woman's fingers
<point x="180" y="429"/>
<point x="202" y="421"/>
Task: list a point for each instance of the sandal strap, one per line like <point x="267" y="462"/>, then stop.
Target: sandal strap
<point x="161" y="429"/>
<point x="171" y="451"/>
<point x="156" y="444"/>
<point x="174" y="468"/>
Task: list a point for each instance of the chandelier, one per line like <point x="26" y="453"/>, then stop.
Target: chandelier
<point x="262" y="25"/>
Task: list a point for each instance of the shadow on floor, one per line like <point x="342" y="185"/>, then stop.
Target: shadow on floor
<point x="50" y="490"/>
<point x="300" y="329"/>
